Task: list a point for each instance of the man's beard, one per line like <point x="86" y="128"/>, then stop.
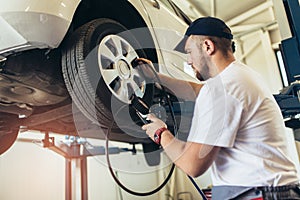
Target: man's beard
<point x="204" y="75"/>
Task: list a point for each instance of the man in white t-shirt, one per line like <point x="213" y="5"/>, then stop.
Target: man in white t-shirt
<point x="237" y="127"/>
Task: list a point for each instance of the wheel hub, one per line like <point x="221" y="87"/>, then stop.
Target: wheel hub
<point x="124" y="69"/>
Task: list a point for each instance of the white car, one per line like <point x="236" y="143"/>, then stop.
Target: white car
<point x="53" y="53"/>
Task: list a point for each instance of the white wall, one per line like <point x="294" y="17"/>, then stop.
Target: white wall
<point x="28" y="171"/>
<point x="255" y="49"/>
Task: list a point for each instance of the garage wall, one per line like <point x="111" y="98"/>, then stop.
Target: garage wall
<point x="132" y="172"/>
<point x="256" y="50"/>
<point x="27" y="171"/>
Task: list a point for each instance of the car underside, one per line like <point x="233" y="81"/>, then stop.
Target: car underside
<point x="84" y="86"/>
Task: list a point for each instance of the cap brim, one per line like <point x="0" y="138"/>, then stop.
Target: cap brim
<point x="180" y="47"/>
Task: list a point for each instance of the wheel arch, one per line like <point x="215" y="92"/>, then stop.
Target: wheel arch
<point x="119" y="10"/>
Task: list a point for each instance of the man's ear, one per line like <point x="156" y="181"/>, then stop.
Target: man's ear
<point x="209" y="46"/>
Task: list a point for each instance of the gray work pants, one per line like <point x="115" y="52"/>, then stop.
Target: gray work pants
<point x="248" y="193"/>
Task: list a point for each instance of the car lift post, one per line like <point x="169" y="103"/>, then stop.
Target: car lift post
<point x="75" y="154"/>
<point x="75" y="166"/>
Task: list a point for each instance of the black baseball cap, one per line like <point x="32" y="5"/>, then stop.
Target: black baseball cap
<point x="209" y="26"/>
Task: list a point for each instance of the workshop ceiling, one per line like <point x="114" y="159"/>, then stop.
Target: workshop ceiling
<point x="241" y="16"/>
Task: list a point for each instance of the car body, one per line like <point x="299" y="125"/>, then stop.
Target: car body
<point x="46" y="81"/>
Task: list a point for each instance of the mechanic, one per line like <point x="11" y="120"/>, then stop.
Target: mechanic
<point x="237" y="126"/>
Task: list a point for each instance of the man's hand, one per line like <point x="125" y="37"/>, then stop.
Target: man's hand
<point x="152" y="127"/>
<point x="147" y="67"/>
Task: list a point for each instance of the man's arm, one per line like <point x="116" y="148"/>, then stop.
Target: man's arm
<point x="193" y="158"/>
<point x="183" y="89"/>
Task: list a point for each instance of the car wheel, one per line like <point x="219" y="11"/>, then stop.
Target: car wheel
<point x="8" y="136"/>
<point x="99" y="72"/>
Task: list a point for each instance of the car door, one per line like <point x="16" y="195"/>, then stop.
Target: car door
<point x="169" y="26"/>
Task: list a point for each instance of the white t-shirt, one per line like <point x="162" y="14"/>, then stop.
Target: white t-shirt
<point x="236" y="111"/>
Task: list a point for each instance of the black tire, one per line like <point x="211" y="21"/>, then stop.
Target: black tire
<point x="86" y="67"/>
<point x="8" y="135"/>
